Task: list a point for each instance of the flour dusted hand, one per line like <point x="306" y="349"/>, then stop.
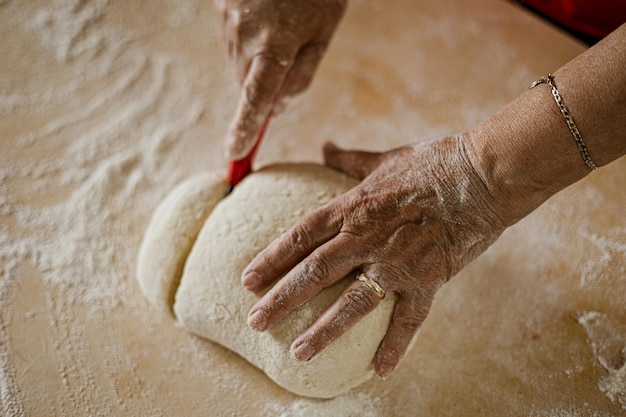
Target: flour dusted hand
<point x="419" y="215"/>
<point x="276" y="46"/>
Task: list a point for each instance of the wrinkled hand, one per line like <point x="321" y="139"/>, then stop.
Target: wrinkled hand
<point x="276" y="46"/>
<point x="420" y="214"/>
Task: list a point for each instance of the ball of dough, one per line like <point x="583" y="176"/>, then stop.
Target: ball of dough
<point x="171" y="233"/>
<point x="212" y="302"/>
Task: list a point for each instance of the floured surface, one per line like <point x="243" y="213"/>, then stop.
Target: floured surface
<point x="608" y="341"/>
<point x="106" y="105"/>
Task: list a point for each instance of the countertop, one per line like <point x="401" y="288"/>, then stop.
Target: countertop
<point x="108" y="104"/>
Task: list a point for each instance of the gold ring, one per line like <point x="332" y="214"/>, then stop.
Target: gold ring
<point x="372" y="284"/>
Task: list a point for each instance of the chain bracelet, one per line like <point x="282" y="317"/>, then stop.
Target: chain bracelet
<point x="549" y="79"/>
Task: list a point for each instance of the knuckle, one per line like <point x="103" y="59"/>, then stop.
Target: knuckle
<point x="358" y="301"/>
<point x="238" y="22"/>
<point x="317" y="271"/>
<point x="298" y="238"/>
<point x="259" y="88"/>
<point x="255" y="91"/>
<point x="444" y="263"/>
<point x="407" y="326"/>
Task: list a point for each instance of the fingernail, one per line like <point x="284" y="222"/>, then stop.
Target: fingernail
<point x="384" y="370"/>
<point x="330" y="146"/>
<point x="229" y="143"/>
<point x="330" y="149"/>
<point x="258" y="320"/>
<point x="303" y="352"/>
<point x="251" y="280"/>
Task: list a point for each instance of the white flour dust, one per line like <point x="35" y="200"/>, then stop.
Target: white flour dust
<point x="72" y="212"/>
<point x="608" y="342"/>
<point x="348" y="405"/>
<point x="569" y="413"/>
<point x="11" y="397"/>
<point x="606" y="251"/>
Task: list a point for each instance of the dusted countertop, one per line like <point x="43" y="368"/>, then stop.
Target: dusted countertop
<point x="107" y="105"/>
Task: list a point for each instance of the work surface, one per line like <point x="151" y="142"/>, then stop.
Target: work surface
<point x="106" y="105"/>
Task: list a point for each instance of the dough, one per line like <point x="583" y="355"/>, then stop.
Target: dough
<point x="171" y="233"/>
<point x="211" y="301"/>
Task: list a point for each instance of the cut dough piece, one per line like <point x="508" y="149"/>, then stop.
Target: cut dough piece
<point x="212" y="302"/>
<point x="171" y="233"/>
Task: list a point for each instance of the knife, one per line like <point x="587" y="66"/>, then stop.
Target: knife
<point x="239" y="169"/>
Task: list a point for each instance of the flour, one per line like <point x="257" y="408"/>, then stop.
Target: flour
<point x="11" y="397"/>
<point x="348" y="405"/>
<point x="608" y="250"/>
<point x="608" y="342"/>
<point x="181" y="13"/>
<point x="103" y="156"/>
<point x="73" y="32"/>
<point x="569" y="413"/>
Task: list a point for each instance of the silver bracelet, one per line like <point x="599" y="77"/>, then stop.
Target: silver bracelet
<point x="549" y="79"/>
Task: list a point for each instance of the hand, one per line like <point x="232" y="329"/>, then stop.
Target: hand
<point x="419" y="215"/>
<point x="276" y="46"/>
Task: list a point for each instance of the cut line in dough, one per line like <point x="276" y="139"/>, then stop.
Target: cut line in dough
<point x="171" y="233"/>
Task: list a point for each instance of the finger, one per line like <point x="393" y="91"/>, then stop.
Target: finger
<point x="354" y="303"/>
<point x="229" y="34"/>
<point x="326" y="265"/>
<point x="260" y="89"/>
<point x="292" y="247"/>
<point x="407" y="318"/>
<point x="357" y="164"/>
<point x="301" y="73"/>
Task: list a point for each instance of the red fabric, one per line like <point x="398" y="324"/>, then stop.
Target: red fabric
<point x="596" y="18"/>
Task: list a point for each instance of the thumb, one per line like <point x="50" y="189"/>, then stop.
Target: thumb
<point x="357" y="164"/>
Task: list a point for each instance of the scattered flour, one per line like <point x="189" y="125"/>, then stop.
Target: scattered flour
<point x="11" y="397"/>
<point x="569" y="413"/>
<point x="348" y="405"/>
<point x="104" y="156"/>
<point x="606" y="251"/>
<point x="608" y="342"/>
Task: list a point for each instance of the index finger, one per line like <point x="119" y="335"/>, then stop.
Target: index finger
<point x="260" y="89"/>
<point x="289" y="249"/>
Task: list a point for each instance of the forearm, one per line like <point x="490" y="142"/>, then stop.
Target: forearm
<point x="526" y="152"/>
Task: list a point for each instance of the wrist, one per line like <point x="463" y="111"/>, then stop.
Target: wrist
<point x="524" y="154"/>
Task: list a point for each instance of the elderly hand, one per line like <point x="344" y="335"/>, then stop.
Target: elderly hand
<point x="277" y="46"/>
<point x="419" y="215"/>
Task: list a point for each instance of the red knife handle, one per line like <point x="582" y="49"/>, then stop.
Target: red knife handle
<point x="238" y="169"/>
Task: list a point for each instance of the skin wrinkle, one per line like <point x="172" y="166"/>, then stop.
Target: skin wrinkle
<point x="469" y="191"/>
<point x="317" y="271"/>
<point x="358" y="301"/>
